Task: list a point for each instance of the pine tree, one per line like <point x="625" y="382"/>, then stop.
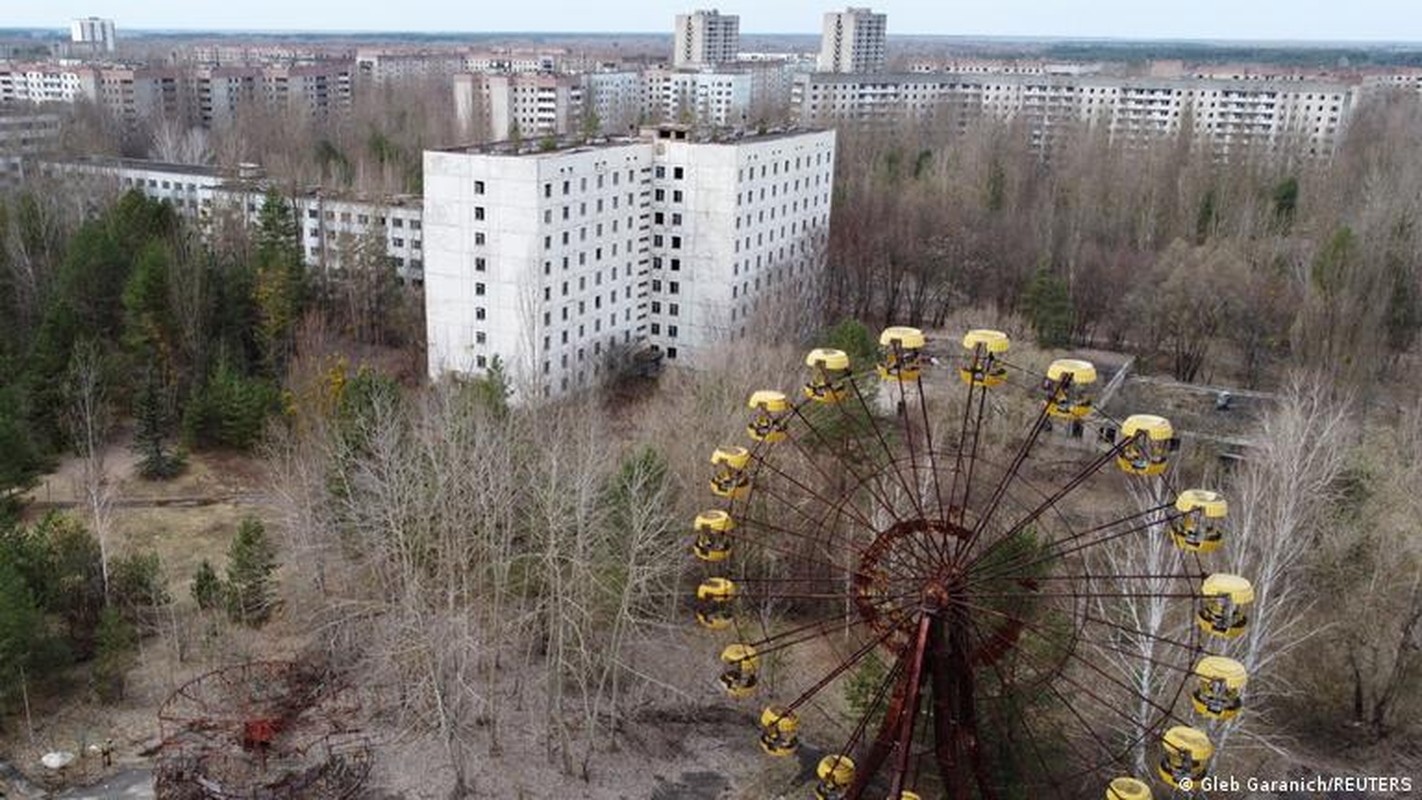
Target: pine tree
<point x="1049" y="304"/>
<point x="207" y="588"/>
<point x="251" y="560"/>
<point x="21" y="632"/>
<point x="280" y="287"/>
<point x="113" y="655"/>
<point x="152" y="424"/>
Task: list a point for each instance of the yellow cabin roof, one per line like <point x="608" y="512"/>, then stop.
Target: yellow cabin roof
<point x="827" y="358"/>
<point x="742" y="654"/>
<point x="1127" y="789"/>
<point x="838" y="767"/>
<point x="907" y="795"/>
<point x="1082" y="372"/>
<point x="1211" y="503"/>
<point x="1183" y="738"/>
<point x="1219" y="668"/>
<point x="716" y="589"/>
<point x="1158" y="429"/>
<point x="715" y="520"/>
<point x="992" y="341"/>
<point x="770" y="400"/>
<point x="1240" y="590"/>
<point x="907" y="338"/>
<point x="778" y="717"/>
<point x="734" y="456"/>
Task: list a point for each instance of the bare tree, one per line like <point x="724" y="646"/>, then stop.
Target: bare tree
<point x="88" y="420"/>
<point x="1281" y="505"/>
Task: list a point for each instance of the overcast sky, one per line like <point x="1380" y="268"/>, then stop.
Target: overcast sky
<point x="1331" y="20"/>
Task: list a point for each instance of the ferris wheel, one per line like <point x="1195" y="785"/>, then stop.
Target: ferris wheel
<point x="879" y="531"/>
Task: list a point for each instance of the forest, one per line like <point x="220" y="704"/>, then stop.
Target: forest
<point x="511" y="584"/>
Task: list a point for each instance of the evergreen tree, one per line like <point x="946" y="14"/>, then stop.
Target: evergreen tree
<point x="20" y="461"/>
<point x="152" y="424"/>
<point x="251" y="560"/>
<point x="207" y="588"/>
<point x="22" y="634"/>
<point x="113" y="655"/>
<point x="279" y="290"/>
<point x="1049" y="305"/>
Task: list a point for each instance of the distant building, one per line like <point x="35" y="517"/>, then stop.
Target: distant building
<point x="1229" y="116"/>
<point x="24" y="137"/>
<point x="94" y="33"/>
<point x="706" y="38"/>
<point x="561" y="262"/>
<point x="202" y="95"/>
<point x="522" y="105"/>
<point x="853" y="41"/>
<point x="332" y="226"/>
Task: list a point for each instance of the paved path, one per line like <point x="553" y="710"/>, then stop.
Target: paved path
<point x="131" y="785"/>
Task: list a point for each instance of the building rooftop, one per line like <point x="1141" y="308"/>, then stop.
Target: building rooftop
<point x="674" y="132"/>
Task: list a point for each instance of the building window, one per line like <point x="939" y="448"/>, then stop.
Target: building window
<point x="480" y="337"/>
<point x="480" y="265"/>
<point x="678" y="173"/>
<point x="478" y="214"/>
<point x="479" y="290"/>
<point x="656" y="329"/>
<point x="479" y="187"/>
<point x="671" y="353"/>
<point x="673" y="287"/>
<point x="671" y="331"/>
<point x="479" y="313"/>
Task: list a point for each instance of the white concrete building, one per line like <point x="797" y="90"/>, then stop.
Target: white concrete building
<point x="1229" y="116"/>
<point x="722" y="99"/>
<point x="332" y="226"/>
<point x="706" y="38"/>
<point x="523" y="105"/>
<point x="96" y="33"/>
<point x="853" y="41"/>
<point x="562" y="262"/>
<point x="616" y="97"/>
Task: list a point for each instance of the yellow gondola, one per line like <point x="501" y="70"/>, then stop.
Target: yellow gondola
<point x="1224" y="612"/>
<point x="730" y="480"/>
<point x="768" y="422"/>
<point x="1200" y="526"/>
<point x="779" y="731"/>
<point x="1187" y="755"/>
<point x="835" y="774"/>
<point x="1147" y="441"/>
<point x="1125" y="788"/>
<point x="714" y="603"/>
<point x="981" y="365"/>
<point x="829" y="375"/>
<point x="713" y="540"/>
<point x="1069" y="388"/>
<point x="739" y="678"/>
<point x="1221" y="683"/>
<point x="902" y="358"/>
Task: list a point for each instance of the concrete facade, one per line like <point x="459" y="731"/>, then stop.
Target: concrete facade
<point x="563" y="262"/>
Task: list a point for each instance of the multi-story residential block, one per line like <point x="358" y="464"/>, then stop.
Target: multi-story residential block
<point x="384" y="66"/>
<point x="706" y="38"/>
<point x="719" y="98"/>
<point x="560" y="262"/>
<point x="24" y="137"/>
<point x="202" y="95"/>
<point x="1229" y="116"/>
<point x="334" y="228"/>
<point x="853" y="41"/>
<point x="615" y="96"/>
<point x="520" y="105"/>
<point x="46" y="83"/>
<point x="95" y="33"/>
